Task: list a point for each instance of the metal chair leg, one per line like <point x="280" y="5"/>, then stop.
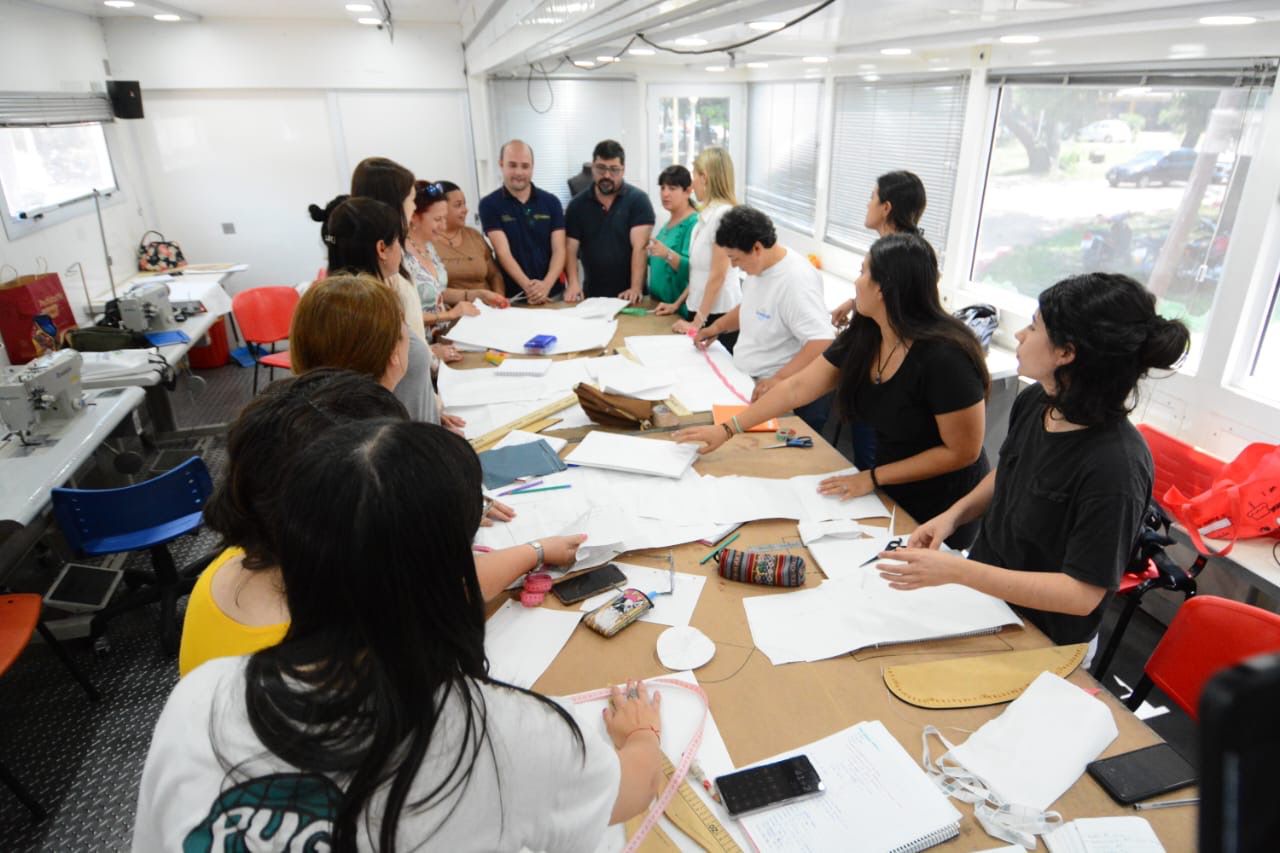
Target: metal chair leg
<point x="61" y="651"/>
<point x="24" y="796"/>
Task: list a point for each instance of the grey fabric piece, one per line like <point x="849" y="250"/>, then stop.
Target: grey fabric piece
<point x="415" y="389"/>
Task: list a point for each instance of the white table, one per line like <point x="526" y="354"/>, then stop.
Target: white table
<point x="30" y="473"/>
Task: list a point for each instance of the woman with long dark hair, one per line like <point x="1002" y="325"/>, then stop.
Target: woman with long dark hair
<point x="374" y="724"/>
<point x="910" y="370"/>
<point x="1061" y="511"/>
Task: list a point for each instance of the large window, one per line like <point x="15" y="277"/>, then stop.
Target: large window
<point x="782" y="151"/>
<point x="1266" y="361"/>
<point x="687" y="124"/>
<point x="882" y="127"/>
<point x="1138" y="175"/>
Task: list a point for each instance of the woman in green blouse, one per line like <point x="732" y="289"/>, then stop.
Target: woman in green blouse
<point x="669" y="250"/>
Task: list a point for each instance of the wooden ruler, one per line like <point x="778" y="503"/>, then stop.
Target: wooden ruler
<point x="494" y="436"/>
<point x="690" y="813"/>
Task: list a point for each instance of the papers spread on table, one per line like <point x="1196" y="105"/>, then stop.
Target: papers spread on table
<point x="521" y="642"/>
<point x="841" y="546"/>
<point x="507" y="329"/>
<point x="675" y="609"/>
<point x="874" y="793"/>
<point x="614" y="452"/>
<point x="524" y="367"/>
<point x="1104" y="835"/>
<point x="860" y="610"/>
<point x="519" y="436"/>
<point x="619" y="375"/>
<point x="596" y="308"/>
<point x="696" y="384"/>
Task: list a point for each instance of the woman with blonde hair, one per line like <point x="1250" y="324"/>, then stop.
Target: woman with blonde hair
<point x="715" y="286"/>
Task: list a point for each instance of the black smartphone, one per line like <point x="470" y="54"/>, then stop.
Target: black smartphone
<point x="586" y="584"/>
<point x="758" y="788"/>
<point x="1143" y="773"/>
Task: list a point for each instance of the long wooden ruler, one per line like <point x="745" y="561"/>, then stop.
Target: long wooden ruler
<point x="494" y="436"/>
<point x="689" y="812"/>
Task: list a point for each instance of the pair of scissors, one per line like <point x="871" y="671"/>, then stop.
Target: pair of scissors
<point x="894" y="544"/>
<point x="799" y="441"/>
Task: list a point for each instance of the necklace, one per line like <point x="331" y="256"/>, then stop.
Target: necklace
<point x="452" y="241"/>
<point x="881" y="366"/>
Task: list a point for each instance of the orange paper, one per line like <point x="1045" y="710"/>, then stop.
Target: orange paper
<point x="723" y="414"/>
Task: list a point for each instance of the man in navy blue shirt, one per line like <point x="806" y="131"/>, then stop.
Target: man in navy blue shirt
<point x="609" y="225"/>
<point x="525" y="225"/>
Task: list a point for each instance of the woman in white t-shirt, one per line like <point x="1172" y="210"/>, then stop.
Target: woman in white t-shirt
<point x="715" y="286"/>
<point x="374" y="724"/>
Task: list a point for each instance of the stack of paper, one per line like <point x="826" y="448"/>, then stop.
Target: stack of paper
<point x="634" y="455"/>
<point x="1104" y="835"/>
<point x="508" y="329"/>
<point x="696" y="386"/>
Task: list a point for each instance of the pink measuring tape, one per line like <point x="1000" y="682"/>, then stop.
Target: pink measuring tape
<point x="693" y="334"/>
<point x="686" y="757"/>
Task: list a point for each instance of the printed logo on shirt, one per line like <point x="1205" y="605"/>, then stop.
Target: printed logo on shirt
<point x="761" y="314"/>
<point x="506" y="217"/>
<point x="284" y="811"/>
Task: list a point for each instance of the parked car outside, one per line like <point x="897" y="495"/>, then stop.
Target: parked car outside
<point x="1107" y="130"/>
<point x="1154" y="167"/>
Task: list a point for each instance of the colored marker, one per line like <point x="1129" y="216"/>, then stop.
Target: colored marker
<point x="520" y="488"/>
<point x="716" y="552"/>
<point x="544" y="489"/>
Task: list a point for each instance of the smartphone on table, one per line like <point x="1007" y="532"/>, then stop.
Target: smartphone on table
<point x="583" y="585"/>
<point x="758" y="788"/>
<point x="1144" y="773"/>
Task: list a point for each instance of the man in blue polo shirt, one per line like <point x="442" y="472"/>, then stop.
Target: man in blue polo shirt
<point x="609" y="225"/>
<point x="525" y="225"/>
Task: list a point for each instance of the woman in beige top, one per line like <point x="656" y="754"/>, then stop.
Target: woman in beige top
<point x="463" y="250"/>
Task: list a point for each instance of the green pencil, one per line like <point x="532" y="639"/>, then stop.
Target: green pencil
<point x="544" y="489"/>
<point x="716" y="551"/>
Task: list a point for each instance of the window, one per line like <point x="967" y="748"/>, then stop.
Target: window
<point x="686" y="125"/>
<point x="1123" y="173"/>
<point x="1266" y="362"/>
<point x="881" y="127"/>
<point x="782" y="151"/>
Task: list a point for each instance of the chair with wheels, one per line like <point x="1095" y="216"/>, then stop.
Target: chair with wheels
<point x="264" y="314"/>
<point x="1207" y="635"/>
<point x="19" y="618"/>
<point x="144" y="516"/>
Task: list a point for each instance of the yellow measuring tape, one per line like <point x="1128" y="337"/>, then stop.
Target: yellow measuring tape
<point x="690" y="813"/>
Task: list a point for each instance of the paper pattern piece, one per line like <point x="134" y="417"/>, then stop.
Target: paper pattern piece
<point x="875" y="793"/>
<point x="684" y="647"/>
<point x="1038" y="747"/>
<point x="696" y="385"/>
<point x="860" y="610"/>
<point x="1104" y="835"/>
<point x="674" y="609"/>
<point x="507" y="329"/>
<point x="521" y="642"/>
<point x="614" y="452"/>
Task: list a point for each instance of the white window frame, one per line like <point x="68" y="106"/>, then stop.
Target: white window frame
<point x="820" y="150"/>
<point x="16" y="228"/>
<point x="737" y="95"/>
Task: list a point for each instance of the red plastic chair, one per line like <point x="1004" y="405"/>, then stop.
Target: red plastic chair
<point x="19" y="618"/>
<point x="264" y="315"/>
<point x="1208" y="635"/>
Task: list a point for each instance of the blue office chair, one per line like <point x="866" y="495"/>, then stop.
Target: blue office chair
<point x="142" y="516"/>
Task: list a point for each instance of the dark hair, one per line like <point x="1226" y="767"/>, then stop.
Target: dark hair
<point x="351" y="231"/>
<point x="288" y="414"/>
<point x="427" y="193"/>
<point x="377" y="647"/>
<point x="905" y="194"/>
<point x="383" y="179"/>
<point x="1110" y="321"/>
<point x="609" y="149"/>
<point x="449" y="187"/>
<point x="675" y="176"/>
<point x="906" y="268"/>
<point x="742" y="227"/>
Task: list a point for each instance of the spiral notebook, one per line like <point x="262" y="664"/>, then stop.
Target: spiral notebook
<point x="875" y="793"/>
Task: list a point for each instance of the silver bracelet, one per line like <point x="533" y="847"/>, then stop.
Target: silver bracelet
<point x="537" y="550"/>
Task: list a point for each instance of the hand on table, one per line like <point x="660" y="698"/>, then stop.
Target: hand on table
<point x="705" y="337"/>
<point x="921" y="567"/>
<point x="710" y="436"/>
<point x="498" y="511"/>
<point x="682" y="327"/>
<point x="848" y="486"/>
<point x="665" y="308"/>
<point x="493" y="300"/>
<point x="933" y="532"/>
<point x="447" y="353"/>
<point x="631" y="710"/>
<point x="633" y="295"/>
<point x="453" y="423"/>
<point x="573" y="294"/>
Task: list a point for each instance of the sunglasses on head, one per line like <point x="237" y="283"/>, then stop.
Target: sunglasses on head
<point x="430" y="191"/>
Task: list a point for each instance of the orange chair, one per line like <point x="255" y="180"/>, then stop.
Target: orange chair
<point x="1207" y="635"/>
<point x="19" y="617"/>
<point x="264" y="315"/>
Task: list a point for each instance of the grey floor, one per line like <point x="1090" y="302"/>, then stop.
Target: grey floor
<point x="83" y="760"/>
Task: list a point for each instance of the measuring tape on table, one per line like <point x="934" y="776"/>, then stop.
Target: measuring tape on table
<point x="693" y="334"/>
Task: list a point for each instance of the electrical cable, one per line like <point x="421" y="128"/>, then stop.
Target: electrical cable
<point x="725" y="48"/>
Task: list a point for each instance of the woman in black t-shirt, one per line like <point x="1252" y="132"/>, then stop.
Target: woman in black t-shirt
<point x="1060" y="512"/>
<point x="909" y="369"/>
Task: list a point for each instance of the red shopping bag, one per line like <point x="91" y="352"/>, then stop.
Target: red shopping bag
<point x="1242" y="503"/>
<point x="29" y="305"/>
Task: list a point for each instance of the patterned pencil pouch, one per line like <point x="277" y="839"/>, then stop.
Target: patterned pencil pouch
<point x="765" y="569"/>
<point x="618" y="612"/>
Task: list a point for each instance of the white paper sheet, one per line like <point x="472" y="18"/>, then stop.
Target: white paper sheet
<point x="841" y="548"/>
<point x="524" y="367"/>
<point x="596" y="307"/>
<point x="519" y="436"/>
<point x="632" y="454"/>
<point x="521" y="642"/>
<point x="861" y="610"/>
<point x="1103" y="835"/>
<point x="620" y="375"/>
<point x="697" y="387"/>
<point x="507" y="329"/>
<point x="675" y="609"/>
<point x="875" y="793"/>
<point x="1039" y="745"/>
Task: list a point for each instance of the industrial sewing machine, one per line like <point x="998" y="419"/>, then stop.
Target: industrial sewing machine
<point x="47" y="388"/>
<point x="145" y="307"/>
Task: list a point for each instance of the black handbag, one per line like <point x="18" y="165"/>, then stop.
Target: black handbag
<point x="103" y="339"/>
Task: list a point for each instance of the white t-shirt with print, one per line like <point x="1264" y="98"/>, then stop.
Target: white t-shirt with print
<point x="782" y="310"/>
<point x="530" y="786"/>
<point x="700" y="244"/>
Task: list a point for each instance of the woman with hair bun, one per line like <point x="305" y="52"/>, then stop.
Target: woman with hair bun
<point x="1061" y="511"/>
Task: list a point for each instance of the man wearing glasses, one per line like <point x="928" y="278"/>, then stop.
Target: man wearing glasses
<point x="525" y="225"/>
<point x="608" y="225"/>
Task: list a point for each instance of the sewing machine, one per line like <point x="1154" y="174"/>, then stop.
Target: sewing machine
<point x="45" y="389"/>
<point x="145" y="307"/>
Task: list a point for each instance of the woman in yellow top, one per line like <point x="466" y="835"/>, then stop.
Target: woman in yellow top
<point x="238" y="605"/>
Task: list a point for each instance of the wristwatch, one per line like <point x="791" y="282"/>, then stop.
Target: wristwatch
<point x="540" y="554"/>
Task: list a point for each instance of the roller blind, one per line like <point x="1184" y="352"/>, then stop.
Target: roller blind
<point x="881" y="127"/>
<point x="562" y="120"/>
<point x="42" y="109"/>
<point x="782" y="151"/>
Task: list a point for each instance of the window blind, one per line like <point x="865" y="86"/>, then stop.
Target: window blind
<point x="43" y="109"/>
<point x="886" y="126"/>
<point x="562" y="124"/>
<point x="782" y="151"/>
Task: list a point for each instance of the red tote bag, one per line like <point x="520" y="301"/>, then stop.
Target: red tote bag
<point x="22" y="300"/>
<point x="1242" y="503"/>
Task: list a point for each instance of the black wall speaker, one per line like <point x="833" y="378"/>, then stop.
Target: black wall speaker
<point x="126" y="98"/>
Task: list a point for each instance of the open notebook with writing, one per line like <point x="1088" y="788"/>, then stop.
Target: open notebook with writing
<point x="875" y="794"/>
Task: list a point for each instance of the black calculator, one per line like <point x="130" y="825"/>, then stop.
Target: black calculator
<point x="757" y="788"/>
